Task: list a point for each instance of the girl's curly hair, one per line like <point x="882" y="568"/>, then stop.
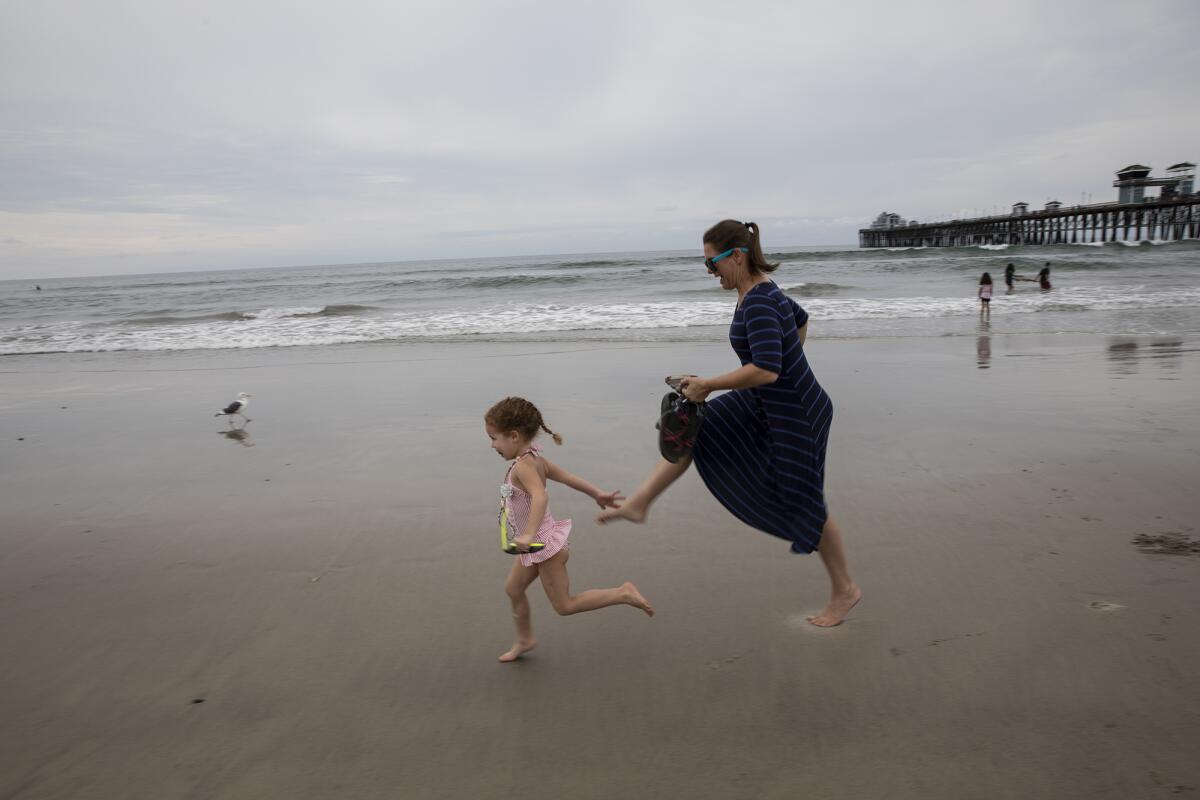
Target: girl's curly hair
<point x="520" y="415"/>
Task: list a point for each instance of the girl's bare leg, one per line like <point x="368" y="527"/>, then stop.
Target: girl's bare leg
<point x="635" y="508"/>
<point x="844" y="594"/>
<point x="557" y="584"/>
<point x="519" y="578"/>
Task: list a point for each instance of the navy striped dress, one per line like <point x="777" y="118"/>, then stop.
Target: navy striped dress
<point x="761" y="451"/>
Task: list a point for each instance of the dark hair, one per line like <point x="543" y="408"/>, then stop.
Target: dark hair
<point x="1010" y="266"/>
<point x="729" y="233"/>
<point x="520" y="415"/>
<point x="987" y="278"/>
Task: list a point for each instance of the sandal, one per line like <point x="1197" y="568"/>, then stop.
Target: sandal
<point x="512" y="550"/>
<point x="678" y="423"/>
<point x="505" y="544"/>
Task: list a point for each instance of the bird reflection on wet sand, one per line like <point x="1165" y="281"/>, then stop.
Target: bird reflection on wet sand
<point x="239" y="435"/>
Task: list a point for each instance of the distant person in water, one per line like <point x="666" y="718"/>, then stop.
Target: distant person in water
<point x="1043" y="277"/>
<point x="38" y="288"/>
<point x="1010" y="273"/>
<point x="985" y="294"/>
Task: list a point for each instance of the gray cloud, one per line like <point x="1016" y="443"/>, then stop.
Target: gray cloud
<point x="149" y="136"/>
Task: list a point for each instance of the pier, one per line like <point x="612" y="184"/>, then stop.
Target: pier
<point x="1178" y="218"/>
<point x="1172" y="216"/>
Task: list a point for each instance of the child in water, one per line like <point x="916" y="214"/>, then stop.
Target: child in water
<point x="512" y="425"/>
<point x="985" y="294"/>
<point x="1043" y="277"/>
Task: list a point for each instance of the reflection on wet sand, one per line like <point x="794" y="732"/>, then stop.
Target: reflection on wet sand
<point x="239" y="435"/>
<point x="1122" y="356"/>
<point x="1167" y="354"/>
<point x="983" y="345"/>
<point x="1125" y="355"/>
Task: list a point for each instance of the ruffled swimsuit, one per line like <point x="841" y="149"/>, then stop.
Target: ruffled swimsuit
<point x="516" y="505"/>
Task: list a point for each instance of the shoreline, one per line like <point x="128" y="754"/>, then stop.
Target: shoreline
<point x="717" y="335"/>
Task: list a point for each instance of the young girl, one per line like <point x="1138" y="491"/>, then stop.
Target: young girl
<point x="512" y="425"/>
<point x="985" y="293"/>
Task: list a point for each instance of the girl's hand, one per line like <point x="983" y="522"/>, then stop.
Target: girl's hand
<point x="694" y="389"/>
<point x="606" y="499"/>
<point x="522" y="542"/>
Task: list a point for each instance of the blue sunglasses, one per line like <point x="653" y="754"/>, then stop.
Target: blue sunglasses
<point x="711" y="263"/>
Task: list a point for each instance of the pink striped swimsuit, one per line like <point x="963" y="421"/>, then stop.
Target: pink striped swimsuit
<point x="552" y="533"/>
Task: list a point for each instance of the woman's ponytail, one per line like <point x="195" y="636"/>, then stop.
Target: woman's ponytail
<point x="730" y="233"/>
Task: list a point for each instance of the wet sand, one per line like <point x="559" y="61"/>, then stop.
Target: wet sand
<point x="314" y="609"/>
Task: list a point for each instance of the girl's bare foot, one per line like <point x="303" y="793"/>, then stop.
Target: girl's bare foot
<point x="628" y="512"/>
<point x="518" y="649"/>
<point x="634" y="598"/>
<point x="839" y="606"/>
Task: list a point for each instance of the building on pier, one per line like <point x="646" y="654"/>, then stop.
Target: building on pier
<point x="1184" y="173"/>
<point x="888" y="220"/>
<point x="1173" y="214"/>
<point x="1133" y="181"/>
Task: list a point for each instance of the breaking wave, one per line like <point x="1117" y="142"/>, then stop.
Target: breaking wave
<point x="287" y="327"/>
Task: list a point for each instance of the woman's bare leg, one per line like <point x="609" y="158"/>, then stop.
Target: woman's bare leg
<point x="635" y="508"/>
<point x="557" y="584"/>
<point x="844" y="594"/>
<point x="519" y="578"/>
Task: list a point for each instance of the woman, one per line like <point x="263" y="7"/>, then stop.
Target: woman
<point x="761" y="450"/>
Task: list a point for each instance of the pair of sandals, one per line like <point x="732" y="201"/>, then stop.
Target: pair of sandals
<point x="679" y="421"/>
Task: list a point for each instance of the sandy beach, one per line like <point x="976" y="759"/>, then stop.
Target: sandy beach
<point x="314" y="609"/>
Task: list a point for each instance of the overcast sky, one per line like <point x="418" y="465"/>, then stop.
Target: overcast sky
<point x="142" y="135"/>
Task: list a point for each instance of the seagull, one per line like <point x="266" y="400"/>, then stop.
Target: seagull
<point x="236" y="408"/>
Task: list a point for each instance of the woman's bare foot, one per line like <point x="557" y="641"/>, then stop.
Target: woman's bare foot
<point x="634" y="598"/>
<point x="839" y="606"/>
<point x="628" y="511"/>
<point x="518" y="649"/>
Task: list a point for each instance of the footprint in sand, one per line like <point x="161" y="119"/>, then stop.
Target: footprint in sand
<point x="936" y="642"/>
<point x="1100" y="605"/>
<point x="1178" y="788"/>
<point x="719" y="665"/>
<point x="1168" y="543"/>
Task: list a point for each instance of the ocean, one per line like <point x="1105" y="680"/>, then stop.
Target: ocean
<point x="1139" y="289"/>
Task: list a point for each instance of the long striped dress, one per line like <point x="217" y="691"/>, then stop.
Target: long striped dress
<point x="761" y="451"/>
